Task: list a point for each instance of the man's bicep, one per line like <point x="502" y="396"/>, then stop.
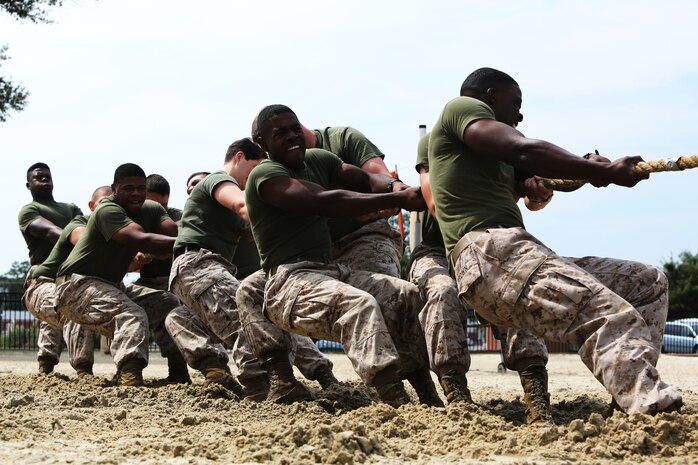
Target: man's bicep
<point x="168" y="228"/>
<point x="289" y="194"/>
<point x="493" y="139"/>
<point x="129" y="235"/>
<point x="352" y="178"/>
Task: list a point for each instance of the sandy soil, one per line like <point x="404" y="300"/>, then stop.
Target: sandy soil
<point x="50" y="420"/>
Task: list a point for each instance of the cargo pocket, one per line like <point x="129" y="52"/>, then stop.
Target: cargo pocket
<point x="520" y="275"/>
<point x="471" y="273"/>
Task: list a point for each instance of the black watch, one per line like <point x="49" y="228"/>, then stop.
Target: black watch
<point x="389" y="187"/>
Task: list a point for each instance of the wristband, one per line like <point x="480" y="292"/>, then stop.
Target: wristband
<point x="389" y="187"/>
<point x="545" y="200"/>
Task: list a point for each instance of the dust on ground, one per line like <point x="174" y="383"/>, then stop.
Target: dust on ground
<point x="61" y="420"/>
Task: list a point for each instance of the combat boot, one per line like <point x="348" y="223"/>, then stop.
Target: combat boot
<point x="177" y="370"/>
<point x="325" y="377"/>
<point x="257" y="387"/>
<point x="426" y="390"/>
<point x="534" y="380"/>
<point x="284" y="388"/>
<point x="131" y="373"/>
<point x="393" y="393"/>
<point x="455" y="386"/>
<point x="84" y="371"/>
<point x="46" y="364"/>
<point x="217" y="372"/>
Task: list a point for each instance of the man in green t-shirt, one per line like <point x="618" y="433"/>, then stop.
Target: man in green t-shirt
<point x="155" y="274"/>
<point x="203" y="276"/>
<point x="41" y="223"/>
<point x="614" y="310"/>
<point x="369" y="244"/>
<point x="372" y="315"/>
<point x="40" y="291"/>
<point x="89" y="282"/>
<point x="444" y="317"/>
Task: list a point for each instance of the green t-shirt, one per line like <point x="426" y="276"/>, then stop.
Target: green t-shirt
<point x="208" y="224"/>
<point x="60" y="251"/>
<point x="246" y="258"/>
<point x="283" y="236"/>
<point x="471" y="191"/>
<point x="353" y="148"/>
<point x="58" y="213"/>
<point x="431" y="233"/>
<point x="96" y="254"/>
<point x="159" y="268"/>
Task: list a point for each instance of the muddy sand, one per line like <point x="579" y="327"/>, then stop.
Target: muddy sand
<point x="50" y="420"/>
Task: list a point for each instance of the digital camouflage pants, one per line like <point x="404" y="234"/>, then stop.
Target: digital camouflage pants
<point x="614" y="310"/>
<point x="444" y="317"/>
<point x="40" y="299"/>
<point x="374" y="316"/>
<point x="122" y="313"/>
<point x="375" y="247"/>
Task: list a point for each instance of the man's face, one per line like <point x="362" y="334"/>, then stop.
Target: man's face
<point x="159" y="198"/>
<point x="193" y="182"/>
<point x="40" y="182"/>
<point x="129" y="192"/>
<point x="243" y="169"/>
<point x="507" y="105"/>
<point x="283" y="139"/>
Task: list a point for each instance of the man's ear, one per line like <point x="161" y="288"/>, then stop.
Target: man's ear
<point x="491" y="95"/>
<point x="27" y="184"/>
<point x="239" y="156"/>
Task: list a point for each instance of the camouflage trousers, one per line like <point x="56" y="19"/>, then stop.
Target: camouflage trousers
<point x="122" y="313"/>
<point x="444" y="317"/>
<point x="375" y="247"/>
<point x="614" y="310"/>
<point x="160" y="283"/>
<point x="40" y="299"/>
<point x="264" y="336"/>
<point x="374" y="316"/>
<point x="205" y="283"/>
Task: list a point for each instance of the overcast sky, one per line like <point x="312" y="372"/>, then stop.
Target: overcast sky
<point x="169" y="84"/>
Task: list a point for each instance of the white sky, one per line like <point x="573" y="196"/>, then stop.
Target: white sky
<point x="169" y="84"/>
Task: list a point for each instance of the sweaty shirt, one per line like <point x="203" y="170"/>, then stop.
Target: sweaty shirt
<point x="283" y="236"/>
<point x="471" y="191"/>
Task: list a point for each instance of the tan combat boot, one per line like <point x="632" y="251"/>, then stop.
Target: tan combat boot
<point x="455" y="386"/>
<point x="217" y="372"/>
<point x="284" y="388"/>
<point x="46" y="364"/>
<point x="84" y="371"/>
<point x="534" y="380"/>
<point x="393" y="393"/>
<point x="177" y="370"/>
<point x="325" y="377"/>
<point x="257" y="387"/>
<point x="131" y="373"/>
<point x="426" y="389"/>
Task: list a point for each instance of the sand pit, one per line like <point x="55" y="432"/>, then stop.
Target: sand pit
<point x="49" y="420"/>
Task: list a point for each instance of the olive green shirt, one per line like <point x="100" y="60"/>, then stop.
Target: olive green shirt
<point x="159" y="268"/>
<point x="283" y="236"/>
<point x="208" y="224"/>
<point x="431" y="233"/>
<point x="96" y="254"/>
<point x="471" y="191"/>
<point x="58" y="213"/>
<point x="246" y="258"/>
<point x="353" y="148"/>
<point x="60" y="250"/>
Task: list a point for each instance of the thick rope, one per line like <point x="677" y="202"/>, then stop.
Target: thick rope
<point x="652" y="166"/>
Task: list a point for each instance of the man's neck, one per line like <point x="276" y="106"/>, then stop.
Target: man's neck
<point x="36" y="198"/>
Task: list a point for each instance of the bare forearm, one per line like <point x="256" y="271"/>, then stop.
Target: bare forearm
<point x="349" y="204"/>
<point x="545" y="159"/>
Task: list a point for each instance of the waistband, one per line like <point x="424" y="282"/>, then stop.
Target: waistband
<point x="462" y="244"/>
<point x="185" y="249"/>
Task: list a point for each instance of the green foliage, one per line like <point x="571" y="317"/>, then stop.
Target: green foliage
<point x="13" y="280"/>
<point x="20" y="338"/>
<point x="12" y="96"/>
<point x="683" y="286"/>
<point x="33" y="10"/>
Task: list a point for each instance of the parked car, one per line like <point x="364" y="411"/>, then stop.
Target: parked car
<point x="692" y="322"/>
<point x="679" y="338"/>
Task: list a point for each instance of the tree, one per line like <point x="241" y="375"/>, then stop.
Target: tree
<point x="13" y="97"/>
<point x="683" y="285"/>
<point x="13" y="280"/>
